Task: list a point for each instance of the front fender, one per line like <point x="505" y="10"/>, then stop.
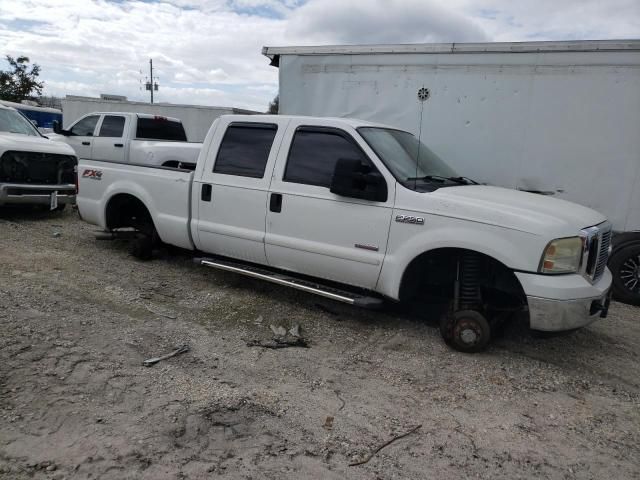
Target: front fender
<point x="516" y="249"/>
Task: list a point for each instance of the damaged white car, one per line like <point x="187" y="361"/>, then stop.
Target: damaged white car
<point x="34" y="169"/>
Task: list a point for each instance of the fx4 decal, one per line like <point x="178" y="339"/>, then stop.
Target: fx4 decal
<point x="92" y="174"/>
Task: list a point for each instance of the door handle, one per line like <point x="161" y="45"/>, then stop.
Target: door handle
<point x="118" y="145"/>
<point x="275" y="202"/>
<point x="86" y="143"/>
<point x="205" y="193"/>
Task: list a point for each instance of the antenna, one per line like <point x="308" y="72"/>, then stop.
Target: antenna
<point x="423" y="96"/>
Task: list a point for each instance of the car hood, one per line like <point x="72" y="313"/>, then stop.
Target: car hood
<point x="26" y="143"/>
<point x="514" y="209"/>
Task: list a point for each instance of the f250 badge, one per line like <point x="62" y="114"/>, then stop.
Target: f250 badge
<point x="92" y="174"/>
<point x="410" y="219"/>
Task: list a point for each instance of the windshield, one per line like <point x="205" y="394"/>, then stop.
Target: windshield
<point x="399" y="151"/>
<point x="12" y="122"/>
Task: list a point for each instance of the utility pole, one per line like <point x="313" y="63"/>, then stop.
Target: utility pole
<point x="151" y="84"/>
<point x="151" y="77"/>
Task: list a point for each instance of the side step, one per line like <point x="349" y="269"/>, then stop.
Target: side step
<point x="344" y="296"/>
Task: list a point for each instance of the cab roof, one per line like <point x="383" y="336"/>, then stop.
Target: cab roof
<point x="337" y="121"/>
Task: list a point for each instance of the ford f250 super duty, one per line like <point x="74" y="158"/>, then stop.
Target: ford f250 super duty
<point x="130" y="138"/>
<point x="361" y="212"/>
<point x="33" y="169"/>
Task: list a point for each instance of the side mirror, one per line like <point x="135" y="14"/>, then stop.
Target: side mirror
<point x="34" y="123"/>
<point x="353" y="179"/>
<point x="57" y="128"/>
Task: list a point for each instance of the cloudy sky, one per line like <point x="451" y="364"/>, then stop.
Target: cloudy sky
<point x="209" y="51"/>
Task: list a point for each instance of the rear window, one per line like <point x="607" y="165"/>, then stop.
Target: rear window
<point x="160" y="128"/>
<point x="245" y="148"/>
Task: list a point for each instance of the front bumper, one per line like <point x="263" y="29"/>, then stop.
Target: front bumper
<point x="22" y="193"/>
<point x="549" y="315"/>
<point x="558" y="303"/>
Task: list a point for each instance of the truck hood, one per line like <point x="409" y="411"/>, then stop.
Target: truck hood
<point x="528" y="212"/>
<point x="25" y="143"/>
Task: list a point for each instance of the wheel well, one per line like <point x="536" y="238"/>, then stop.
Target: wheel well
<point x="125" y="210"/>
<point x="623" y="239"/>
<point x="179" y="164"/>
<point x="433" y="274"/>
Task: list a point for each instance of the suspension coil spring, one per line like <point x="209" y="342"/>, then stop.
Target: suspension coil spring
<point x="470" y="270"/>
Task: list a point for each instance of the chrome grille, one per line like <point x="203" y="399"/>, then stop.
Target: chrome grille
<point x="597" y="240"/>
<point x="603" y="254"/>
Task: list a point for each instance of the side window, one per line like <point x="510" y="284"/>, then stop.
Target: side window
<point x="85" y="127"/>
<point x="245" y="148"/>
<point x="112" y="126"/>
<point x="314" y="153"/>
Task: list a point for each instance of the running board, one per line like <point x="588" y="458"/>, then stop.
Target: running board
<point x="299" y="284"/>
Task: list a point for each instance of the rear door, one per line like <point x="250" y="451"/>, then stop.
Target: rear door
<point x="232" y="191"/>
<point x="109" y="143"/>
<point x="311" y="230"/>
<point x="82" y="135"/>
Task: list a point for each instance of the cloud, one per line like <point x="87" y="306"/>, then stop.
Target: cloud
<point x="527" y="20"/>
<point x="209" y="51"/>
<point x="206" y="47"/>
<point x="381" y="21"/>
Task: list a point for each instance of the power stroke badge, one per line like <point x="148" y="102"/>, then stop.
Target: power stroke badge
<point x="410" y="219"/>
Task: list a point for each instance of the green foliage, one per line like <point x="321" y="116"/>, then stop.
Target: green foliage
<point x="20" y="82"/>
<point x="274" y="105"/>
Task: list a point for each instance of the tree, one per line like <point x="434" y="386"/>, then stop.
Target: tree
<point x="50" y="101"/>
<point x="274" y="105"/>
<point x="20" y="82"/>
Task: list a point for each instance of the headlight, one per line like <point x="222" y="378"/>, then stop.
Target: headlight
<point x="563" y="255"/>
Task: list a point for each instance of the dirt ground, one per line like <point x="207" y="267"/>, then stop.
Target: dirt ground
<point x="79" y="316"/>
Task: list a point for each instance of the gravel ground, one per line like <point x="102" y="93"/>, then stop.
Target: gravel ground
<point x="78" y="317"/>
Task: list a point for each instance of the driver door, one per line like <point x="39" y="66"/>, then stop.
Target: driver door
<point x="81" y="136"/>
<point x="311" y="230"/>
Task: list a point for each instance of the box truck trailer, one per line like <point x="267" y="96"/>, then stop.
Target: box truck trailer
<point x="555" y="118"/>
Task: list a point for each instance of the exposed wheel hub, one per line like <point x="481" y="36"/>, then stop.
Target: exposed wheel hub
<point x="468" y="336"/>
<point x="465" y="330"/>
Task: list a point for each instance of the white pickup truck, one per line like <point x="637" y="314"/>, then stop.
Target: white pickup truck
<point x="134" y="138"/>
<point x="343" y="209"/>
<point x="33" y="169"/>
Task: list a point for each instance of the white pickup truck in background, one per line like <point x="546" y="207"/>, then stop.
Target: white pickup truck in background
<point x="134" y="138"/>
<point x="370" y="214"/>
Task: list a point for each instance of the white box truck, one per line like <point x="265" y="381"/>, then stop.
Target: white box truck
<point x="557" y="118"/>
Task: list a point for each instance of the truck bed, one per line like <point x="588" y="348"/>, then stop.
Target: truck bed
<point x="166" y="194"/>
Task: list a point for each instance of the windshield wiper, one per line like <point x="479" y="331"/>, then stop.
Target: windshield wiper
<point x="439" y="178"/>
<point x="468" y="180"/>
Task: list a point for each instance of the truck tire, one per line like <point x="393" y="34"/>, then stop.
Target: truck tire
<point x="466" y="331"/>
<point x="142" y="246"/>
<point x="625" y="268"/>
